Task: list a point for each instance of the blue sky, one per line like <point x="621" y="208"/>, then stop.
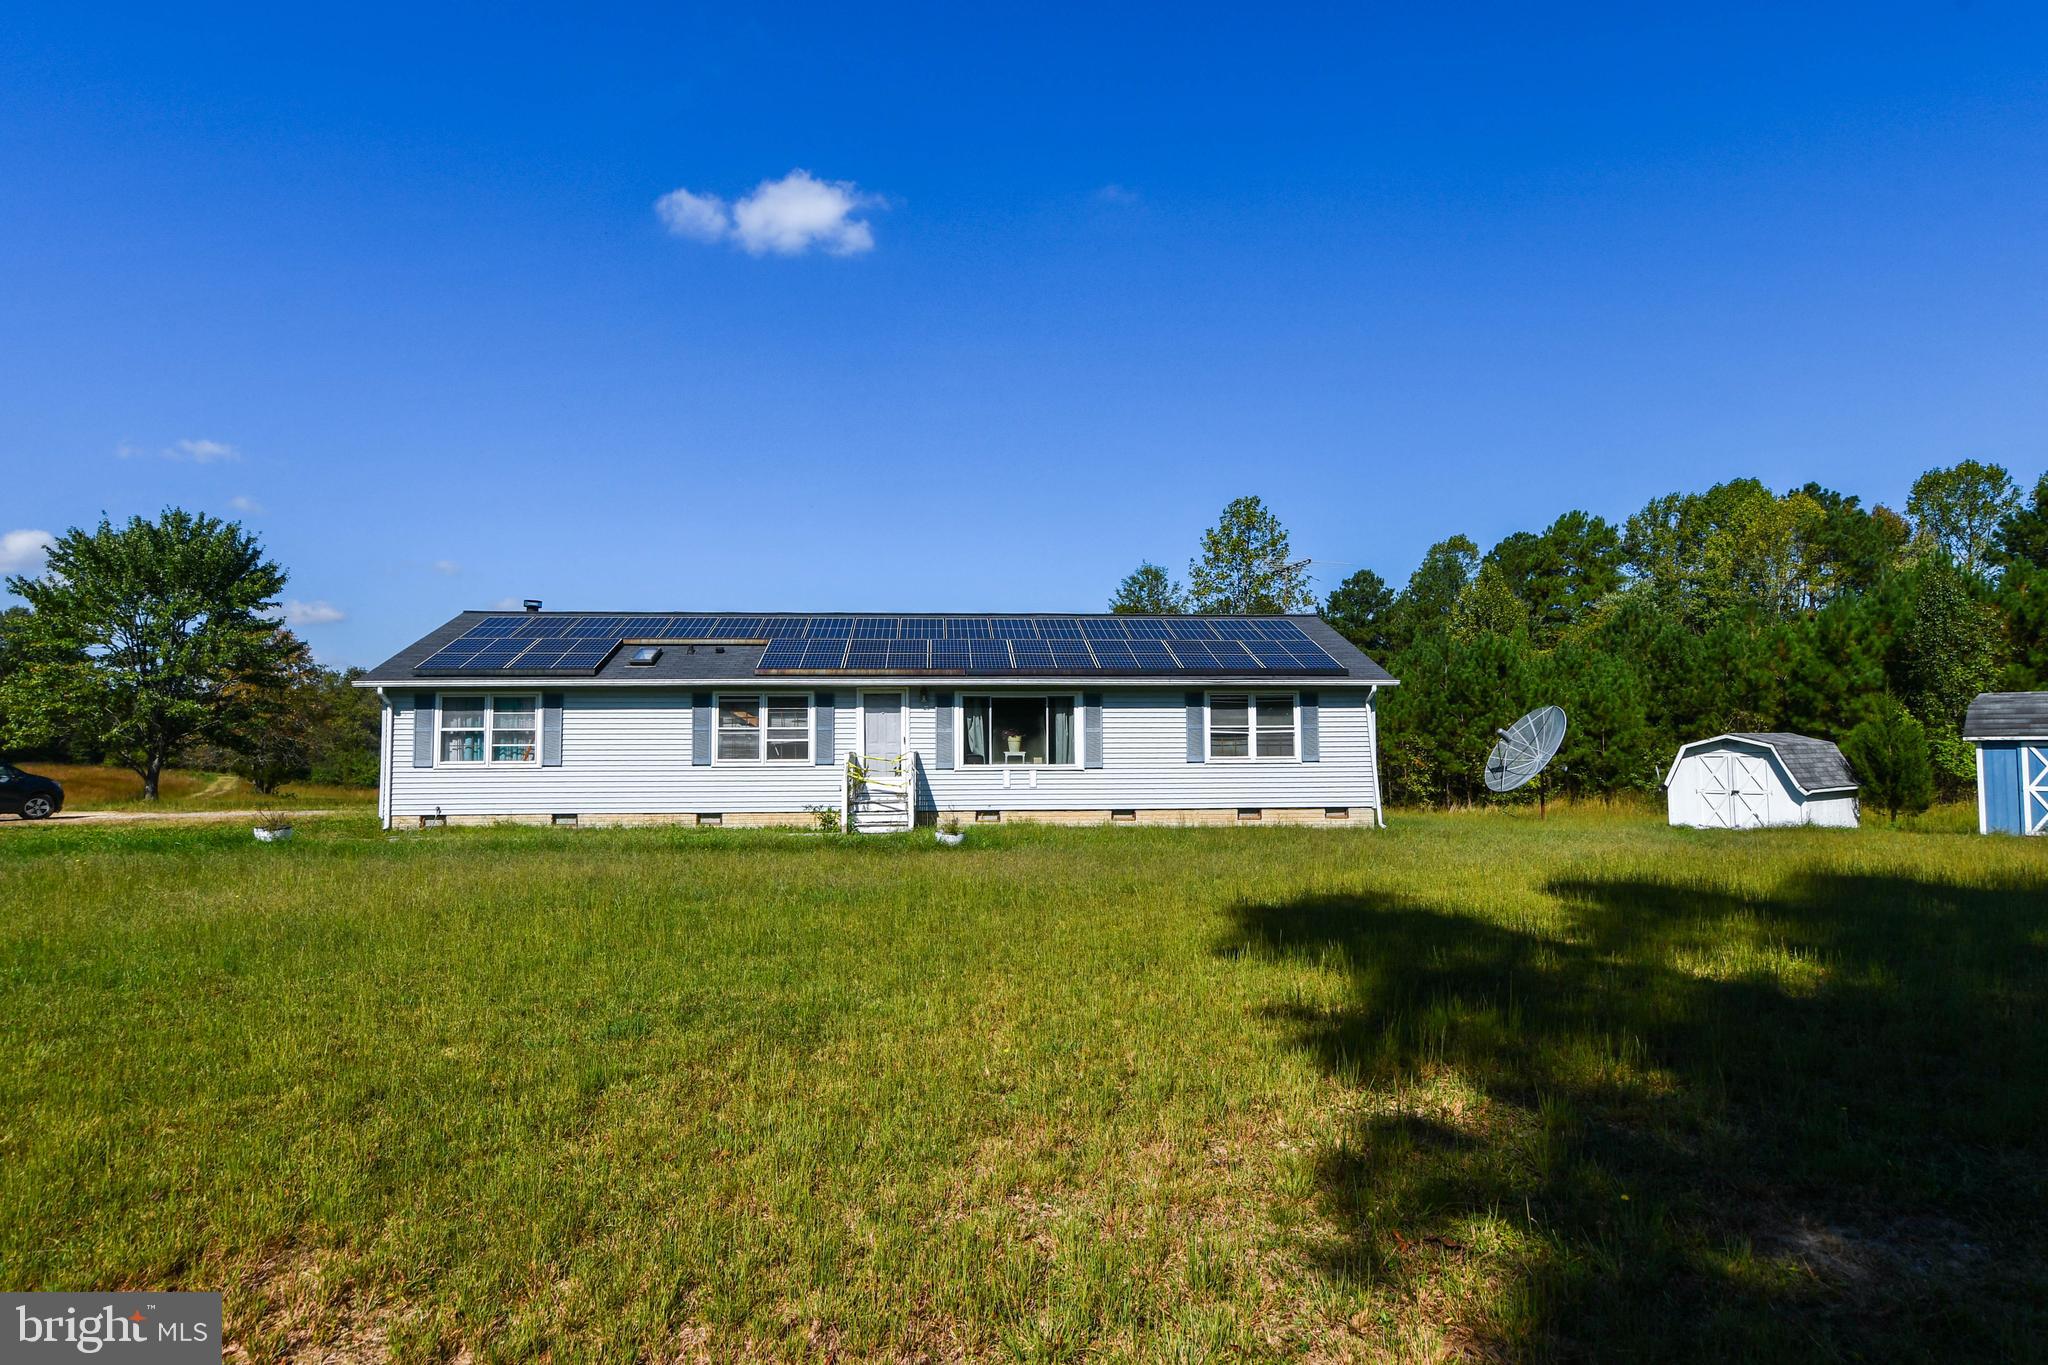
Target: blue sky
<point x="392" y="286"/>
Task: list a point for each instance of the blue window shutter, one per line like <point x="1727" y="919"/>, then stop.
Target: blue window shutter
<point x="551" y="729"/>
<point x="1311" y="728"/>
<point x="1197" y="748"/>
<point x="1091" y="729"/>
<point x="700" y="730"/>
<point x="423" y="717"/>
<point x="942" y="729"/>
<point x="826" y="722"/>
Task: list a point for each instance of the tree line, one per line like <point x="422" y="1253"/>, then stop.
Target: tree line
<point x="156" y="643"/>
<point x="1736" y="608"/>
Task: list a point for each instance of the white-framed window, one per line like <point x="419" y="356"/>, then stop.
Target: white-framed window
<point x="1247" y="726"/>
<point x="757" y="727"/>
<point x="999" y="728"/>
<point x="499" y="728"/>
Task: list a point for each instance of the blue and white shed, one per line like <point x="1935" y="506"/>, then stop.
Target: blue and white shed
<point x="2010" y="730"/>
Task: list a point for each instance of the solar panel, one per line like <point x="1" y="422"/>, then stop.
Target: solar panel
<point x="783" y="655"/>
<point x="1032" y="654"/>
<point x="989" y="656"/>
<point x="1113" y="655"/>
<point x="1072" y="654"/>
<point x="824" y="655"/>
<point x="1220" y="645"/>
<point x="1152" y="657"/>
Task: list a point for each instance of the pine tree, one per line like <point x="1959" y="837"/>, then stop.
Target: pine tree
<point x="1890" y="755"/>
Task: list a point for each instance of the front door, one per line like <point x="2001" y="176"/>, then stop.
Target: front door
<point x="881" y="723"/>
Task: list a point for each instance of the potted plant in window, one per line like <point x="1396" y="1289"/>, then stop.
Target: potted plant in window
<point x="1014" y="741"/>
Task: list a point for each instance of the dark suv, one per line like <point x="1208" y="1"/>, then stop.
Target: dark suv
<point x="29" y="796"/>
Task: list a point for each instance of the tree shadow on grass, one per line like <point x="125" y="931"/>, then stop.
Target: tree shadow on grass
<point x="1684" y="1123"/>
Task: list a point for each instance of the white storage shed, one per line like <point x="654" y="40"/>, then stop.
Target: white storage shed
<point x="1751" y="780"/>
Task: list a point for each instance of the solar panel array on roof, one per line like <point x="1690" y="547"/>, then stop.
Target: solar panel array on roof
<point x="966" y="645"/>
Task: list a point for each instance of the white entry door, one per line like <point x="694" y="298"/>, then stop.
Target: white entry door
<point x="1733" y="790"/>
<point x="881" y="723"/>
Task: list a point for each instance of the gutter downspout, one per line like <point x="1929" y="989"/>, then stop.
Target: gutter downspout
<point x="384" y="728"/>
<point x="1372" y="735"/>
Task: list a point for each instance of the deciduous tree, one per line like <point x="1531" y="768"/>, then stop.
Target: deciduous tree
<point x="1149" y="590"/>
<point x="1960" y="509"/>
<point x="1247" y="565"/>
<point x="145" y="636"/>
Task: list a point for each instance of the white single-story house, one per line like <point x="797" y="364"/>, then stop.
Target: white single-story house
<point x="2010" y="730"/>
<point x="775" y="718"/>
<point x="1750" y="780"/>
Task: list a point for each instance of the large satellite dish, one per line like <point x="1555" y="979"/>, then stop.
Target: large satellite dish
<point x="1525" y="748"/>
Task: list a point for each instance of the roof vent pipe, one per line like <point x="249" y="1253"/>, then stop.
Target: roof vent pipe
<point x="533" y="604"/>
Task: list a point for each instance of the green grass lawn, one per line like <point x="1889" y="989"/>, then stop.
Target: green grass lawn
<point x="1468" y="1087"/>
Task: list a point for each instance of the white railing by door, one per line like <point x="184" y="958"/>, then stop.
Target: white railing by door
<point x="879" y="793"/>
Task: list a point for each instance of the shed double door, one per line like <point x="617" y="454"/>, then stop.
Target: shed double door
<point x="1734" y="790"/>
<point x="2034" y="789"/>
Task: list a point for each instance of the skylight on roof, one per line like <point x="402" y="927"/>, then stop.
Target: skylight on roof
<point x="645" y="655"/>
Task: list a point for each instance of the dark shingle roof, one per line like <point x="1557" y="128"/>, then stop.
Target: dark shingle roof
<point x="733" y="662"/>
<point x="1815" y="764"/>
<point x="2007" y="715"/>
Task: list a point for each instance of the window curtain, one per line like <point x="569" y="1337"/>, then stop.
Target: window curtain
<point x="976" y="731"/>
<point x="1062" y="709"/>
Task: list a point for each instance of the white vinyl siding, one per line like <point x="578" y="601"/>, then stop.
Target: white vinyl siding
<point x="628" y="751"/>
<point x="1145" y="764"/>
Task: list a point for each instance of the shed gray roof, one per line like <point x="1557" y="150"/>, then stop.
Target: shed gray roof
<point x="2007" y="715"/>
<point x="709" y="663"/>
<point x="1814" y="765"/>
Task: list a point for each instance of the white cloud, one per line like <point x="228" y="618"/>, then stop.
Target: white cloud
<point x="297" y="613"/>
<point x="446" y="566"/>
<point x="785" y="217"/>
<point x="197" y="449"/>
<point x="205" y="452"/>
<point x="508" y="604"/>
<point x="1116" y="194"/>
<point x="242" y="502"/>
<point x="23" y="552"/>
<point x="700" y="217"/>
